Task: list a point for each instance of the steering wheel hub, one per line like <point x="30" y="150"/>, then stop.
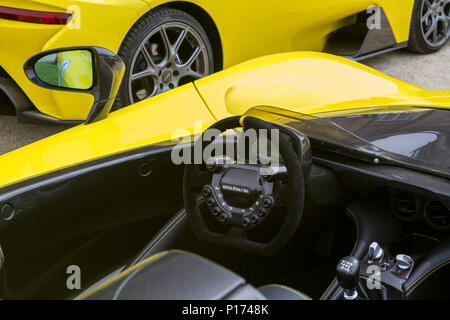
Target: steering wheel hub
<point x="240" y="186"/>
<point x="238" y="195"/>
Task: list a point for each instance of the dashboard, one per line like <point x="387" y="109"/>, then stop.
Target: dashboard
<point x="411" y="207"/>
<point x="415" y="198"/>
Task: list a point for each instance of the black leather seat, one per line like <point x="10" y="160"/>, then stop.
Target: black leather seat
<point x="179" y="275"/>
<point x="280" y="292"/>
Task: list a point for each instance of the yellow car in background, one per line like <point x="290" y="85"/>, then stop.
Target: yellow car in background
<point x="166" y="44"/>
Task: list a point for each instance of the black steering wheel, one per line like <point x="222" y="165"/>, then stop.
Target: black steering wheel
<point x="225" y="201"/>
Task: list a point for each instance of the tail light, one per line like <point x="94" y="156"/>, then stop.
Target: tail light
<point x="34" y="16"/>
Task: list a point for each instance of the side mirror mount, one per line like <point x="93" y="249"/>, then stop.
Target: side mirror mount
<point x="92" y="70"/>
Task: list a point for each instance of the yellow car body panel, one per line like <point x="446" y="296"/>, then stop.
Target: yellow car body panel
<point x="339" y="84"/>
<point x="295" y="81"/>
<point x="126" y="129"/>
<point x="254" y="28"/>
<point x="247" y="29"/>
<point x="38" y="5"/>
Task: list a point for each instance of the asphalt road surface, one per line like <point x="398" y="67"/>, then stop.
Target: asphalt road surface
<point x="427" y="71"/>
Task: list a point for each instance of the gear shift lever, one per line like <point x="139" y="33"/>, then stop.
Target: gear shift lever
<point x="347" y="273"/>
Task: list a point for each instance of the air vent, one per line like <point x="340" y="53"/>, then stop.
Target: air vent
<point x="437" y="215"/>
<point x="404" y="205"/>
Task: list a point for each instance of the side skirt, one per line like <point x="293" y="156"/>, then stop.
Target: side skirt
<point x="357" y="42"/>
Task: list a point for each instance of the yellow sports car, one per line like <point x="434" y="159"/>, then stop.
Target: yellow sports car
<point x="329" y="158"/>
<point x="165" y="44"/>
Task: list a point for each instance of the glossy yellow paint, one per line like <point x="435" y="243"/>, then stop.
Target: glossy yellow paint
<point x="127" y="129"/>
<point x="247" y="29"/>
<point x="101" y="23"/>
<point x="306" y="82"/>
<point x="254" y="28"/>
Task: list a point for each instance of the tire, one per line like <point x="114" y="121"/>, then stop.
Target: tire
<point x="157" y="52"/>
<point x="422" y="37"/>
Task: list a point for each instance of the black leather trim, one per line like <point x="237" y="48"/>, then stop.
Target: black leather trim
<point x="373" y="222"/>
<point x="175" y="275"/>
<point x="246" y="292"/>
<point x="280" y="292"/>
<point x="430" y="275"/>
<point x="178" y="226"/>
<point x="179" y="275"/>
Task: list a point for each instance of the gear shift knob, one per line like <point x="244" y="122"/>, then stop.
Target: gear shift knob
<point x="347" y="273"/>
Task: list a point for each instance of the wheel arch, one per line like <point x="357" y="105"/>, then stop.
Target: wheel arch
<point x="206" y="22"/>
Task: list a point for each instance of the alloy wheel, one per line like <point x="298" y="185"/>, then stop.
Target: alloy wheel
<point x="435" y="21"/>
<point x="171" y="55"/>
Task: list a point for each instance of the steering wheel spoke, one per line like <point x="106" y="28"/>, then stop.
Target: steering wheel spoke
<point x="237" y="233"/>
<point x="203" y="178"/>
<point x="199" y="177"/>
